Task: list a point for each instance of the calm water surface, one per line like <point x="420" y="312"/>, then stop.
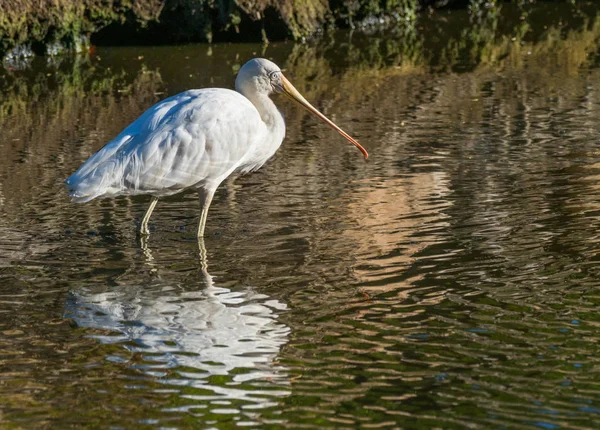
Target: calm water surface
<point x="451" y="281"/>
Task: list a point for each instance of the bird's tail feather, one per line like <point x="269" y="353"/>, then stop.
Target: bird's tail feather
<point x="101" y="173"/>
<point x="96" y="183"/>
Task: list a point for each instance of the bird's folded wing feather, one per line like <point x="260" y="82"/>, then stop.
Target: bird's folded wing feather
<point x="187" y="140"/>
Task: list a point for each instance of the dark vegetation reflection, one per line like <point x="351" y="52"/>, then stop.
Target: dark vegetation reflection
<point x="451" y="281"/>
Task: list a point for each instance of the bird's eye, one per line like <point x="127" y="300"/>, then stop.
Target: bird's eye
<point x="273" y="75"/>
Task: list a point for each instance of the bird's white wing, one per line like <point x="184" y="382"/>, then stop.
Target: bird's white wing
<point x="195" y="138"/>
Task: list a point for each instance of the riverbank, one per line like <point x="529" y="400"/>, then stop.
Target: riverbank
<point x="48" y="27"/>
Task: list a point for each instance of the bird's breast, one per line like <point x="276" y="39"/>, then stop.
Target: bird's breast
<point x="265" y="147"/>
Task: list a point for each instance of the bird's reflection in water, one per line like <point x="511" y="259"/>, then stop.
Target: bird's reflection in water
<point x="188" y="335"/>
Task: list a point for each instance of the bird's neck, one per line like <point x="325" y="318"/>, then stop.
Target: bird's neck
<point x="268" y="111"/>
<point x="268" y="141"/>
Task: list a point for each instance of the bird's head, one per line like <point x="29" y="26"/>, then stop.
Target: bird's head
<point x="262" y="76"/>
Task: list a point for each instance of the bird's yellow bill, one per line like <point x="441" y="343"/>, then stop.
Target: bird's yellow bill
<point x="290" y="91"/>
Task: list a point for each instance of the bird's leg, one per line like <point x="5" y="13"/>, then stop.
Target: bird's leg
<point x="145" y="249"/>
<point x="203" y="255"/>
<point x="206" y="197"/>
<point x="144" y="225"/>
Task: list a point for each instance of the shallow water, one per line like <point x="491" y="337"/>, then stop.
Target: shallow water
<point x="451" y="281"/>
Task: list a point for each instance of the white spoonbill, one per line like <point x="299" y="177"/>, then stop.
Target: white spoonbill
<point x="195" y="140"/>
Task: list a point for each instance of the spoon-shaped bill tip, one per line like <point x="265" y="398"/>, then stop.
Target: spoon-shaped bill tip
<point x="291" y="92"/>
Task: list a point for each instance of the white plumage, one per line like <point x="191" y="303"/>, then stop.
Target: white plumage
<point x="174" y="145"/>
<point x="195" y="139"/>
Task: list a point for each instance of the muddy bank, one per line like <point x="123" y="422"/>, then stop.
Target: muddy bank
<point x="53" y="27"/>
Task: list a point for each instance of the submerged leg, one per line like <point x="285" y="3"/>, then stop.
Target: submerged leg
<point x="144" y="225"/>
<point x="206" y="197"/>
<point x="203" y="257"/>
